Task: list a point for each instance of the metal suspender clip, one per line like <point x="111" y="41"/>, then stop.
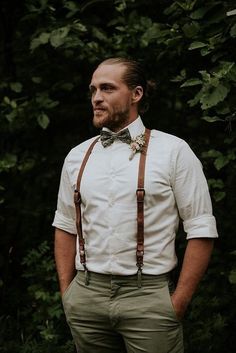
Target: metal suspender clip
<point x="139" y="274"/>
<point x="86" y="275"/>
<point x="139" y="256"/>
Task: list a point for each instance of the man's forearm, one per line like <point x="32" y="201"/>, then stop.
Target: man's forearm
<point x="196" y="259"/>
<point x="65" y="251"/>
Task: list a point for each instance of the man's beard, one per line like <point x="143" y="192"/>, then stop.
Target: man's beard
<point x="114" y="122"/>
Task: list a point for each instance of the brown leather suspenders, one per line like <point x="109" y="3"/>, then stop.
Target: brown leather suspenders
<point x="77" y="201"/>
<point x="140" y="193"/>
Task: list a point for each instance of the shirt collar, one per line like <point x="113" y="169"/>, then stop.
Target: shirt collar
<point x="135" y="128"/>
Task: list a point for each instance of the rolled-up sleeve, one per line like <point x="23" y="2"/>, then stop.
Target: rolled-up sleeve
<point x="192" y="194"/>
<point x="65" y="214"/>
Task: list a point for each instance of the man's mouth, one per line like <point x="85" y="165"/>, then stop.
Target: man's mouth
<point x="99" y="109"/>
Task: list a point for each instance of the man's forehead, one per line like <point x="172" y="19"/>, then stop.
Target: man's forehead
<point x="108" y="73"/>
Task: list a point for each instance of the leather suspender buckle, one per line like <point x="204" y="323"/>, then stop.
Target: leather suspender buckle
<point x="139" y="255"/>
<point x="140" y="192"/>
<point x="139" y="258"/>
<point x="77" y="197"/>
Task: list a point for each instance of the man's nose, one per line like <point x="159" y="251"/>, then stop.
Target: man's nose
<point x="97" y="97"/>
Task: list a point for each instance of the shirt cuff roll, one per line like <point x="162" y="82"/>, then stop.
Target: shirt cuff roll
<point x="201" y="227"/>
<point x="64" y="223"/>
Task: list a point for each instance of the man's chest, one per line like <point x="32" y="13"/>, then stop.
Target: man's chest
<point x="110" y="175"/>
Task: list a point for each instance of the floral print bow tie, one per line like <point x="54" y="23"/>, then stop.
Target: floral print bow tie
<point x="107" y="138"/>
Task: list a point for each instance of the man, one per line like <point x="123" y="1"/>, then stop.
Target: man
<point x="122" y="298"/>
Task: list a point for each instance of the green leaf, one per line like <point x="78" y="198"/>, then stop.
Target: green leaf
<point x="216" y="183"/>
<point x="232" y="75"/>
<point x="196" y="99"/>
<point x="191" y="29"/>
<point x="36" y="79"/>
<point x="45" y="102"/>
<point x="26" y="165"/>
<point x="169" y="10"/>
<point x="42" y="39"/>
<point x="79" y="27"/>
<point x="180" y="77"/>
<point x="196" y="45"/>
<point x="11" y="116"/>
<point x="99" y="34"/>
<point x="9" y="161"/>
<point x="43" y="120"/>
<point x="153" y="32"/>
<point x="13" y="104"/>
<point x="223" y="109"/>
<point x="221" y="162"/>
<point x="211" y="154"/>
<point x="187" y="5"/>
<point x="231" y="154"/>
<point x="191" y="82"/>
<point x="231" y="13"/>
<point x="6" y="100"/>
<point x="205" y="75"/>
<point x="233" y="31"/>
<point x="219" y="195"/>
<point x="16" y="87"/>
<point x="199" y="13"/>
<point x="212" y="98"/>
<point x="220" y="159"/>
<point x="225" y="68"/>
<point x="205" y="51"/>
<point x="71" y="5"/>
<point x="232" y="276"/>
<point x="58" y="36"/>
<point x="73" y="8"/>
<point x="211" y="119"/>
<point x="67" y="86"/>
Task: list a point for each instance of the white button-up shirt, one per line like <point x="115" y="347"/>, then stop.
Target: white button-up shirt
<point x="175" y="188"/>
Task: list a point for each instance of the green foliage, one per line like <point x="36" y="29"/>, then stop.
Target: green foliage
<point x="40" y="319"/>
<point x="39" y="265"/>
<point x="48" y="50"/>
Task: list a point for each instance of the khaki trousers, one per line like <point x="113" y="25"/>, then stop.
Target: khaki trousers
<point x="113" y="315"/>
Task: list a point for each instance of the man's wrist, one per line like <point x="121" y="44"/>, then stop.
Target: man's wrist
<point x="180" y="303"/>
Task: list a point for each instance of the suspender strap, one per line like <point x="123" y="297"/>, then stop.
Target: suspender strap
<point x="140" y="193"/>
<point x="77" y="201"/>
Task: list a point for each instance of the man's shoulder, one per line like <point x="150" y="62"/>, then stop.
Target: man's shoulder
<point x="161" y="137"/>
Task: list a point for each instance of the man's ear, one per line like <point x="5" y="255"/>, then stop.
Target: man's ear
<point x="137" y="94"/>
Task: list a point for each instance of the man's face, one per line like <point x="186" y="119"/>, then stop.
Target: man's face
<point x="111" y="98"/>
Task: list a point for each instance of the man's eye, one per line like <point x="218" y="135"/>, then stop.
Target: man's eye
<point x="107" y="88"/>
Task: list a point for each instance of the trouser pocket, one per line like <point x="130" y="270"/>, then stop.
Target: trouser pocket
<point x="170" y="288"/>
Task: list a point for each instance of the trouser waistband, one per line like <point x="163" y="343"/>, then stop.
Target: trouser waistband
<point x="88" y="276"/>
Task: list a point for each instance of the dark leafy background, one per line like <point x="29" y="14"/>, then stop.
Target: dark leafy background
<point x="48" y="50"/>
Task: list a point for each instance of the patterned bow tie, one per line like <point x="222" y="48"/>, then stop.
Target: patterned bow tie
<point x="107" y="138"/>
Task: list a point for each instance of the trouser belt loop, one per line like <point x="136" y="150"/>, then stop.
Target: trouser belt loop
<point x="139" y="277"/>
